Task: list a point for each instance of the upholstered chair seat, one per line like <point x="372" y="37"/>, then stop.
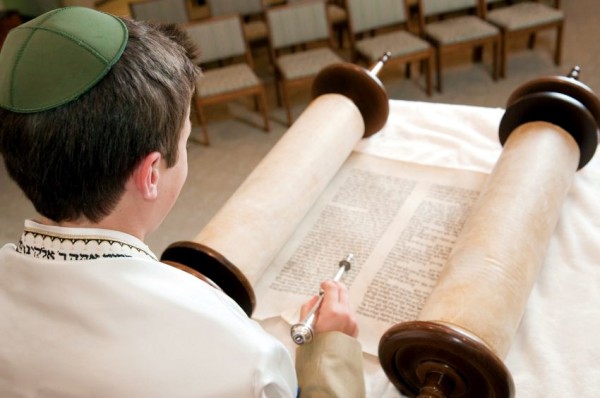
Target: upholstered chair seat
<point x="460" y="29"/>
<point x="524" y="15"/>
<point x="398" y="43"/>
<point x="227" y="79"/>
<point x="306" y="63"/>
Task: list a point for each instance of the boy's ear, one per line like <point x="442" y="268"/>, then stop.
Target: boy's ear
<point x="146" y="175"/>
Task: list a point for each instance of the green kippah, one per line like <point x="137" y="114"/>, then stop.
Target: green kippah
<point x="58" y="56"/>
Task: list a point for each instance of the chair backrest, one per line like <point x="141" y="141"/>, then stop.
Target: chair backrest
<point x="242" y="7"/>
<point x="167" y="11"/>
<point x="435" y="7"/>
<point x="218" y="38"/>
<point x="298" y="23"/>
<point x="372" y="14"/>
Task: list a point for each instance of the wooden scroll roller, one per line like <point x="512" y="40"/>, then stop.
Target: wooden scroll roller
<point x="243" y="238"/>
<point x="456" y="346"/>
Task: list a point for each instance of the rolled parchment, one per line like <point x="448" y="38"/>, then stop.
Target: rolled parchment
<point x="265" y="210"/>
<point x="245" y="235"/>
<point x="456" y="346"/>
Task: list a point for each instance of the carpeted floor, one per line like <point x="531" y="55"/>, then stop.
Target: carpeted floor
<point x="238" y="141"/>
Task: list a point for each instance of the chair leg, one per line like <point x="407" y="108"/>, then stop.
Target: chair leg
<point x="264" y="109"/>
<point x="278" y="83"/>
<point x="438" y="69"/>
<point x="286" y="101"/>
<point x="531" y="41"/>
<point x="428" y="72"/>
<point x="558" y="50"/>
<point x="354" y="56"/>
<point x="503" y="53"/>
<point x="496" y="44"/>
<point x="340" y="35"/>
<point x="478" y="54"/>
<point x="202" y="122"/>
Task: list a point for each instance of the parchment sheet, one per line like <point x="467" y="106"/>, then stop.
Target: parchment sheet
<point x="398" y="219"/>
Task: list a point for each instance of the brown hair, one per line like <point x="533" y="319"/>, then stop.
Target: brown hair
<point x="74" y="160"/>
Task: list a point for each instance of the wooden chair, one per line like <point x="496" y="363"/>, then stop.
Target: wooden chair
<point x="387" y="20"/>
<point x="222" y="42"/>
<point x="303" y="28"/>
<point x="251" y="11"/>
<point x="524" y="18"/>
<point x="338" y="18"/>
<point x="454" y="25"/>
<point x="164" y="11"/>
<point x="337" y="15"/>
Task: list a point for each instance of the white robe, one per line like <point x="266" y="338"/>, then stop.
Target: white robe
<point x="125" y="325"/>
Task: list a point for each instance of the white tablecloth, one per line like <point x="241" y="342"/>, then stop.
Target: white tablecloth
<point x="556" y="351"/>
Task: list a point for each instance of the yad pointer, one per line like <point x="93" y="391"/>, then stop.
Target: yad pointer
<point x="303" y="331"/>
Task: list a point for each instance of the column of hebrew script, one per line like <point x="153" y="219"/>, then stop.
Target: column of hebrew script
<point x="409" y="271"/>
<point x="398" y="219"/>
<point x="353" y="221"/>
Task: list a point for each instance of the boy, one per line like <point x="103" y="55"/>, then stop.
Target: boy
<point x="94" y="119"/>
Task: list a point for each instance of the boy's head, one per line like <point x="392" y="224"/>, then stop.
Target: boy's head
<point x="84" y="97"/>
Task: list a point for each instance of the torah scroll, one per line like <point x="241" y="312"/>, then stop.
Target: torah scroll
<point x="456" y="346"/>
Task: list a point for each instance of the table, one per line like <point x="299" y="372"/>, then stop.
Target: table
<point x="555" y="349"/>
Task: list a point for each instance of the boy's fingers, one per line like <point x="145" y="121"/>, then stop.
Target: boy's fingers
<point x="332" y="292"/>
<point x="306" y="307"/>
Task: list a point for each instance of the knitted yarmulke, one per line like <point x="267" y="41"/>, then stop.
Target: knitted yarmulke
<point x="56" y="57"/>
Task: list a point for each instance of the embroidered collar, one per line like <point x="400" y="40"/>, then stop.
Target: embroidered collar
<point x="77" y="244"/>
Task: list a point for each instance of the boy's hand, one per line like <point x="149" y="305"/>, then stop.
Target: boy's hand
<point x="335" y="312"/>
